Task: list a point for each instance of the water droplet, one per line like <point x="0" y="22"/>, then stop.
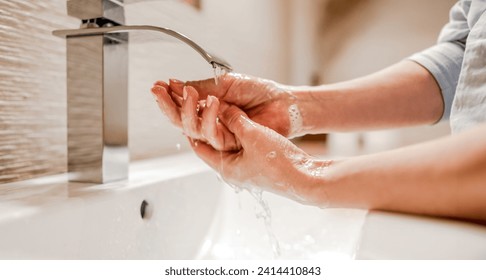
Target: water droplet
<point x="272" y="155"/>
<point x="178" y="146"/>
<point x="216" y="76"/>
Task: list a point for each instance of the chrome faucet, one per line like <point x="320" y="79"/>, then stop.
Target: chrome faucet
<point x="97" y="88"/>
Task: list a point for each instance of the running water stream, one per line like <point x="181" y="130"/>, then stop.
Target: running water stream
<point x="218" y="72"/>
<point x="266" y="216"/>
<point x="264" y="213"/>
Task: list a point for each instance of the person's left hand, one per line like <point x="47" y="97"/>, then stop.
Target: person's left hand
<point x="266" y="102"/>
<point x="198" y="119"/>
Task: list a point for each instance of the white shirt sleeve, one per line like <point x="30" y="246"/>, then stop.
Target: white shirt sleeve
<point x="444" y="60"/>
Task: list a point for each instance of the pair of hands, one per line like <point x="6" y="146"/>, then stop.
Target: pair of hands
<point x="238" y="128"/>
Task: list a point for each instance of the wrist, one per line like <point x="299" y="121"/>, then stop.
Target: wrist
<point x="312" y="104"/>
<point x="311" y="180"/>
<point x="294" y="100"/>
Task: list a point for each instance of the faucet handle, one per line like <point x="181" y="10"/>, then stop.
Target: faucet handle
<point x="92" y="9"/>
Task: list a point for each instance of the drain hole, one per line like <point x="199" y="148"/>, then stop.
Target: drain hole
<point x="144" y="210"/>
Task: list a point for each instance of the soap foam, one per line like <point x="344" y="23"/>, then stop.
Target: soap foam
<point x="295" y="118"/>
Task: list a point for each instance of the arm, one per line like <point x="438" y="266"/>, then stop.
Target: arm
<point x="416" y="91"/>
<point x="404" y="94"/>
<point x="446" y="177"/>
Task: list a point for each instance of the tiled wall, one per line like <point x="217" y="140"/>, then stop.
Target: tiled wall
<point x="32" y="89"/>
<point x="248" y="33"/>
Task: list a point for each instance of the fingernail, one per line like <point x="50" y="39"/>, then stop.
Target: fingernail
<point x="159" y="89"/>
<point x="175" y="81"/>
<point x="154" y="91"/>
<point x="209" y="101"/>
<point x="184" y="93"/>
<point x="160" y="83"/>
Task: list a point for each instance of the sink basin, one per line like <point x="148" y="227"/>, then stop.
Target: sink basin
<point x="51" y="219"/>
<point x="400" y="236"/>
<point x="303" y="232"/>
<point x="176" y="208"/>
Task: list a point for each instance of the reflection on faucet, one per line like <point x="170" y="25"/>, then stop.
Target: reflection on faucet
<point x="97" y="88"/>
<point x="118" y="30"/>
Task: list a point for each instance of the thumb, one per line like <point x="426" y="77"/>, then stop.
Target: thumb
<point x="208" y="87"/>
<point x="236" y="121"/>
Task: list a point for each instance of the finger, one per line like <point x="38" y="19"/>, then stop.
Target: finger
<point x="229" y="140"/>
<point x="175" y="97"/>
<point x="215" y="159"/>
<point x="167" y="105"/>
<point x="237" y="122"/>
<point x="177" y="86"/>
<point x="162" y="84"/>
<point x="209" y="122"/>
<point x="214" y="131"/>
<point x="209" y="87"/>
<point x="189" y="115"/>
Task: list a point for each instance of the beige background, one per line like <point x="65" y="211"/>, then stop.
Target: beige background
<point x="291" y="41"/>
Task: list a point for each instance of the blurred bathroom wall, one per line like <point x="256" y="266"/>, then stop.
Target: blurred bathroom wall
<point x="32" y="89"/>
<point x="251" y="34"/>
<point x="363" y="36"/>
<point x="291" y="41"/>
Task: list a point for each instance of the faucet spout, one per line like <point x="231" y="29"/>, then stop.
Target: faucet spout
<point x="97" y="88"/>
<point x="212" y="59"/>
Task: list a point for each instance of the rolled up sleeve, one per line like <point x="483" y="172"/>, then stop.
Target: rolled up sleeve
<point x="444" y="60"/>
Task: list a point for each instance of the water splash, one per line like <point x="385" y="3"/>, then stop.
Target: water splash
<point x="266" y="216"/>
<point x="218" y="73"/>
<point x="296" y="121"/>
<point x="265" y="213"/>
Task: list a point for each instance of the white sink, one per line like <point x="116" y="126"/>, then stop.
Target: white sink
<point x="192" y="215"/>
<point x="52" y="219"/>
<point x="303" y="232"/>
<point x="399" y="236"/>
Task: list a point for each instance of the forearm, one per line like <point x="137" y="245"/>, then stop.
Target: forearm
<point x="402" y="95"/>
<point x="446" y="177"/>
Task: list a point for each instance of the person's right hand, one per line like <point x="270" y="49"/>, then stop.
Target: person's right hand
<point x="264" y="101"/>
<point x="265" y="159"/>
